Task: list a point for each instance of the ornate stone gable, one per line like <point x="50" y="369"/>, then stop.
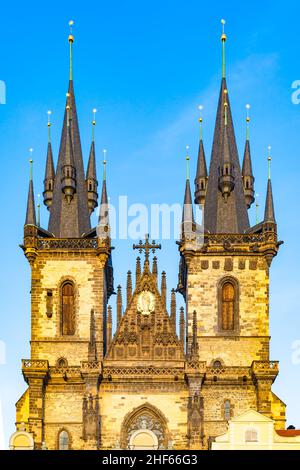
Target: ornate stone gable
<point x="146" y="332"/>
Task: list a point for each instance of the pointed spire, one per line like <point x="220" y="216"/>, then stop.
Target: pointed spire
<point x="226" y="168"/>
<point x="201" y="175"/>
<point x="128" y="288"/>
<point x="119" y="304"/>
<point x="91" y="176"/>
<point x="187" y="212"/>
<point x="30" y="212"/>
<point x="103" y="223"/>
<point x="182" y="327"/>
<point x="247" y="173"/>
<point x="163" y="288"/>
<point x="269" y="207"/>
<point x="69" y="215"/>
<point x="173" y="309"/>
<point x="138" y="271"/>
<point x="68" y="170"/>
<point x="49" y="171"/>
<point x="109" y="327"/>
<point x="223" y="215"/>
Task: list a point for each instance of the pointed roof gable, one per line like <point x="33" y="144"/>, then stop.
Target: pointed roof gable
<point x="145" y="336"/>
<point x="221" y="216"/>
<point x="70" y="220"/>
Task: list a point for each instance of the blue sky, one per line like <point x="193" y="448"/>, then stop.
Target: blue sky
<point x="146" y="66"/>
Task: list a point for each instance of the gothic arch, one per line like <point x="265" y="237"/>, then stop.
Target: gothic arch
<point x="145" y="415"/>
<point x="234" y="296"/>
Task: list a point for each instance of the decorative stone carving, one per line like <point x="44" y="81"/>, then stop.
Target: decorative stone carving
<point x="146" y="302"/>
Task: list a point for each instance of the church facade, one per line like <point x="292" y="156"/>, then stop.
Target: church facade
<point x="165" y="379"/>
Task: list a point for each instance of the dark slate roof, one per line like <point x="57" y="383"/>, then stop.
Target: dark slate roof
<point x="201" y="165"/>
<point x="70" y="220"/>
<point x="91" y="169"/>
<point x="103" y="211"/>
<point x="221" y="216"/>
<point x="187" y="212"/>
<point x="247" y="164"/>
<point x="30" y="212"/>
<point x="269" y="207"/>
<point x="49" y="171"/>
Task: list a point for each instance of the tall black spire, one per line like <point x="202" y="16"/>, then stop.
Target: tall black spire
<point x="69" y="215"/>
<point x="225" y="208"/>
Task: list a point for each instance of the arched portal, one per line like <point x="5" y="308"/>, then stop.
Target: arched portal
<point x="144" y="427"/>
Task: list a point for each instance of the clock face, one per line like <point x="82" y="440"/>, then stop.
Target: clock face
<point x="146" y="303"/>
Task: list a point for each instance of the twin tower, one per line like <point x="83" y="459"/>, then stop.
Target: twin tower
<point x="147" y="386"/>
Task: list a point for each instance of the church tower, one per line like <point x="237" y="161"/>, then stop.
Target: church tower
<point x="71" y="282"/>
<point x="225" y="280"/>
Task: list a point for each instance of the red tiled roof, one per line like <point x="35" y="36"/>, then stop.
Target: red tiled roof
<point x="288" y="432"/>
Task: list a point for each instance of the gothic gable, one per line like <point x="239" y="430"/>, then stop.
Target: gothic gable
<point x="146" y="332"/>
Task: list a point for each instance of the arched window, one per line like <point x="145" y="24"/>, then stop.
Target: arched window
<point x="228" y="305"/>
<point x="67" y="309"/>
<point x="251" y="435"/>
<point x="63" y="440"/>
<point x="227" y="410"/>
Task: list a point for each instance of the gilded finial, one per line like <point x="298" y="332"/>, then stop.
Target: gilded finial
<point x="187" y="162"/>
<point x="30" y="162"/>
<point x="71" y="40"/>
<point x="39" y="211"/>
<point x="49" y="125"/>
<point x="200" y="119"/>
<point x="247" y="121"/>
<point x="104" y="164"/>
<point x="94" y="124"/>
<point x="269" y="162"/>
<point x="223" y="39"/>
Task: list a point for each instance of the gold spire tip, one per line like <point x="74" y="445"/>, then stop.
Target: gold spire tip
<point x="223" y="37"/>
<point x="49" y="118"/>
<point x="94" y="116"/>
<point x="187" y="147"/>
<point x="200" y="107"/>
<point x="71" y="37"/>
